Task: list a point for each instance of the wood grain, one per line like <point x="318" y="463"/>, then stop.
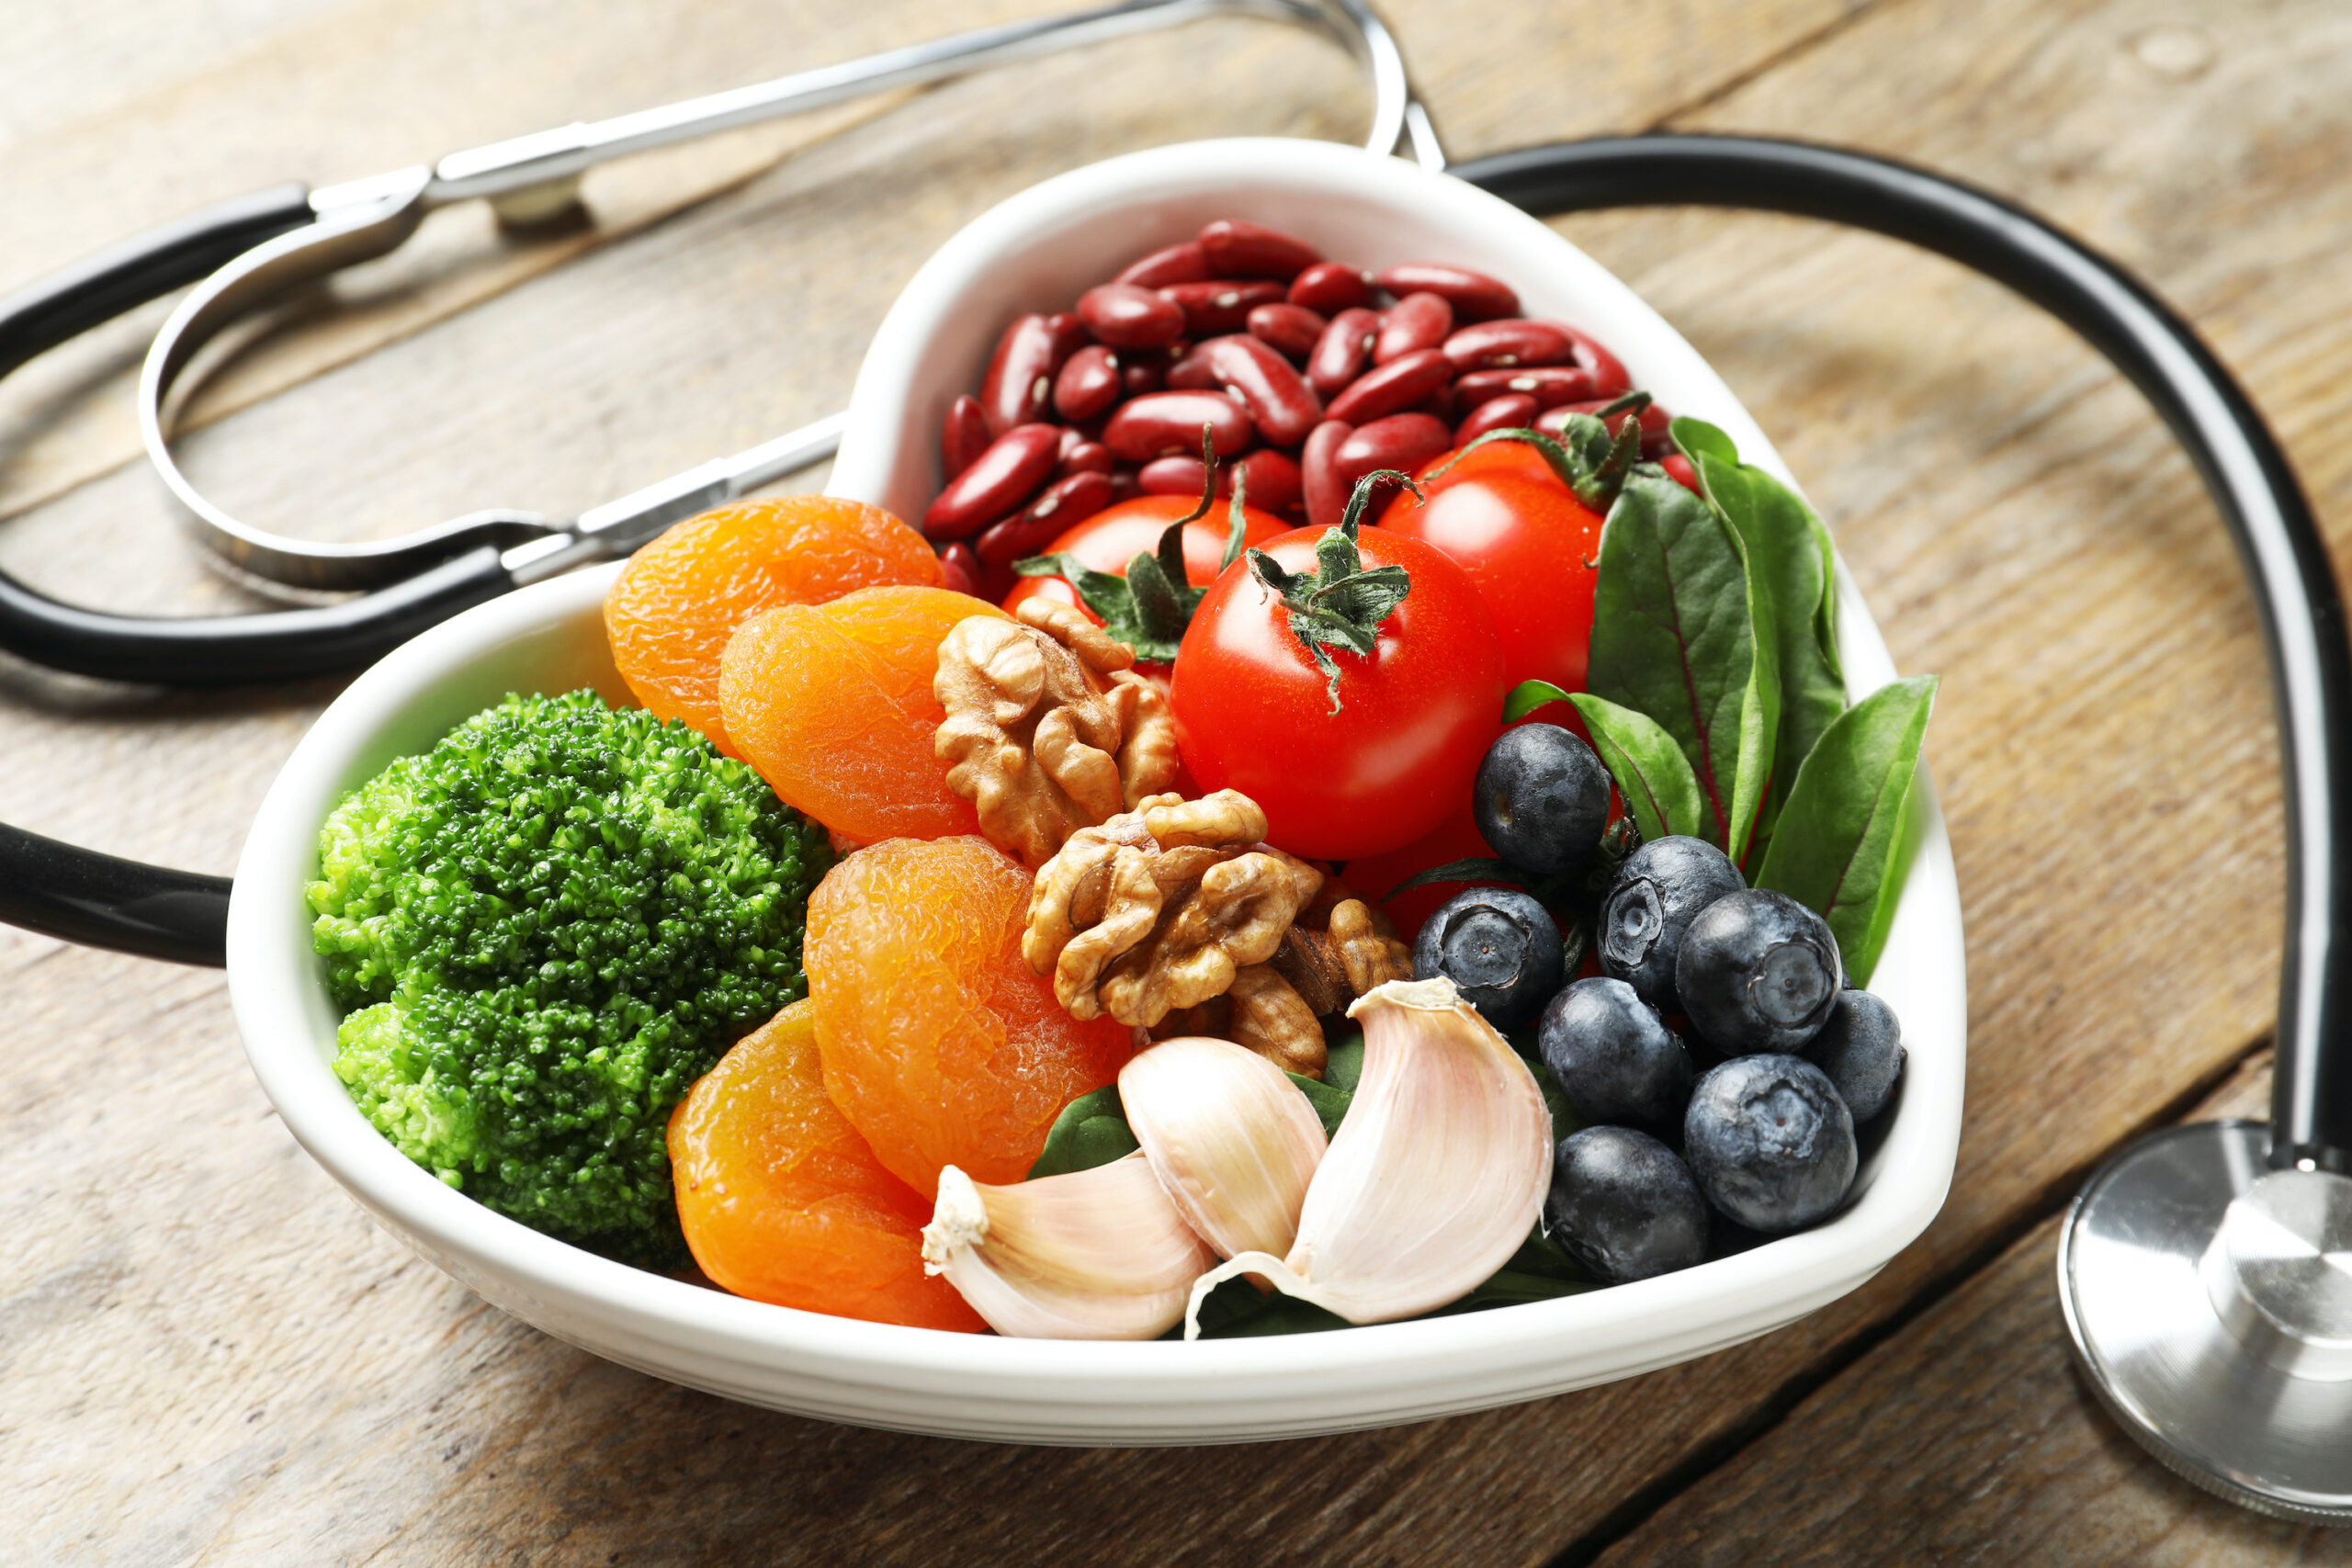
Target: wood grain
<point x="208" y="1354"/>
<point x="1969" y="1438"/>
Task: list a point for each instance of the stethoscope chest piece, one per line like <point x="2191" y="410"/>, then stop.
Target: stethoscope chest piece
<point x="2209" y="1298"/>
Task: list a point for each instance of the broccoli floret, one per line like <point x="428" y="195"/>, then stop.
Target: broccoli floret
<point x="547" y="927"/>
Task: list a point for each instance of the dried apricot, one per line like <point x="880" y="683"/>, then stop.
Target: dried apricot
<point x="833" y="704"/>
<point x="783" y="1201"/>
<point x="673" y="608"/>
<point x="940" y="1045"/>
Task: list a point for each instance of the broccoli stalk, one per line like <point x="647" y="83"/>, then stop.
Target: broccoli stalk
<point x="545" y="929"/>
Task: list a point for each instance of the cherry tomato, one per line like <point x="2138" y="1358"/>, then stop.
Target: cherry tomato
<point x="1529" y="544"/>
<point x="1417" y="715"/>
<point x="1117" y="535"/>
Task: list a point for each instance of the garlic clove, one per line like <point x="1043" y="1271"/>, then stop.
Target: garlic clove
<point x="1433" y="1181"/>
<point x="1230" y="1139"/>
<point x="1098" y="1254"/>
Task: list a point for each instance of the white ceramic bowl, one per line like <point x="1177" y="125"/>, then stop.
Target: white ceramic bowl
<point x="1038" y="250"/>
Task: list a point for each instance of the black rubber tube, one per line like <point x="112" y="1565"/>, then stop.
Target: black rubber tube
<point x="2294" y="584"/>
<point x="63" y="890"/>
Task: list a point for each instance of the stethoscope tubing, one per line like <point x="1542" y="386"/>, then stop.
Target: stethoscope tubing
<point x="102" y="901"/>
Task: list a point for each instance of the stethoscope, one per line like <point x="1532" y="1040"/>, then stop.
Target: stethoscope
<point x="2206" y="1271"/>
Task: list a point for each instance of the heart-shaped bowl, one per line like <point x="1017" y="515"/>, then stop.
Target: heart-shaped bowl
<point x="1037" y="252"/>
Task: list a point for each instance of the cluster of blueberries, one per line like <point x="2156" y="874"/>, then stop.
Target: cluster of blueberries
<point x="1765" y="1135"/>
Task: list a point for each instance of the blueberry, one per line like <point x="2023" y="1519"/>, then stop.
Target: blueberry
<point x="1770" y="1141"/>
<point x="1861" y="1048"/>
<point x="1499" y="946"/>
<point x="1757" y="972"/>
<point x="1649" y="903"/>
<point x="1541" y="800"/>
<point x="1623" y="1206"/>
<point x="1612" y="1058"/>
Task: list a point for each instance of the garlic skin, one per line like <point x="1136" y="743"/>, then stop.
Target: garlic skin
<point x="1098" y="1254"/>
<point x="1433" y="1180"/>
<point x="1231" y="1140"/>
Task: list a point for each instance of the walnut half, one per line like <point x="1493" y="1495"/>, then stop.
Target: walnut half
<point x="1047" y="730"/>
<point x="1161" y="908"/>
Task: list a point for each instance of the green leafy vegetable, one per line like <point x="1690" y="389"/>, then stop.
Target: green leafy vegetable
<point x="1529" y="695"/>
<point x="1343" y="1061"/>
<point x="1651" y="772"/>
<point x="1331" y="1103"/>
<point x="1092" y="1130"/>
<point x="1674" y="637"/>
<point x="1340" y="603"/>
<point x="1790" y="559"/>
<point x="1149" y="608"/>
<point x="1845" y="838"/>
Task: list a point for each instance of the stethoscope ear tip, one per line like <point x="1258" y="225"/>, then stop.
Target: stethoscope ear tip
<point x="2210" y="1299"/>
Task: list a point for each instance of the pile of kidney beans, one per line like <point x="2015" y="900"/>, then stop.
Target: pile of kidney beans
<point x="1310" y="373"/>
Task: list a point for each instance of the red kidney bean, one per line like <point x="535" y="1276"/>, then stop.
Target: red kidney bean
<point x="1276" y="482"/>
<point x="1084" y="458"/>
<point x="1402" y="441"/>
<point x="1141" y="373"/>
<point x="1391" y="388"/>
<point x="1160" y="423"/>
<point x="1474" y="296"/>
<point x="1237" y="249"/>
<point x="1193" y="373"/>
<point x="1186" y="262"/>
<point x="1124" y="316"/>
<point x="1224" y="306"/>
<point x="1608" y="372"/>
<point x="999" y="481"/>
<point x="1513" y="411"/>
<point x="1343" y="350"/>
<point x="1329" y="288"/>
<point x="1088" y="384"/>
<point x="1678" y="468"/>
<point x="1020" y="379"/>
<point x="1178" y="475"/>
<point x="962" y="436"/>
<point x="1066" y="501"/>
<point x="1549" y="385"/>
<point x="960" y="569"/>
<point x="1319" y="485"/>
<point x="1293" y="329"/>
<point x="1417" y="322"/>
<point x="1282" y="405"/>
<point x="1497" y="345"/>
<point x="1123" y="484"/>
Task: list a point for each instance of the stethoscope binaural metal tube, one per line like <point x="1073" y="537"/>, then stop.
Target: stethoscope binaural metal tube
<point x="532" y="177"/>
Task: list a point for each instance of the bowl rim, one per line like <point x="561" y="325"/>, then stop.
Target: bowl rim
<point x="277" y="996"/>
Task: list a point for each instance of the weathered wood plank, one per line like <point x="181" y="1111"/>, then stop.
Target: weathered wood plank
<point x="183" y="1267"/>
<point x="1970" y="1437"/>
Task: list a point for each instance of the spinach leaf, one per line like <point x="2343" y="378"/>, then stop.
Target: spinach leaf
<point x="1239" y="1310"/>
<point x="1092" y="1130"/>
<point x="1846" y="836"/>
<point x="1651" y="772"/>
<point x="1330" y="1102"/>
<point x="1529" y="695"/>
<point x="1674" y="636"/>
<point x="1789" y="559"/>
<point x="1343" y="1061"/>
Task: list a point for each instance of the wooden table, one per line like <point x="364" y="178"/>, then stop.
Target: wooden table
<point x="206" y="1353"/>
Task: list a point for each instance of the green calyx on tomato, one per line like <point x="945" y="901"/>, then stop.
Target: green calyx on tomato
<point x="1149" y="608"/>
<point x="1590" y="461"/>
<point x="1340" y="603"/>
